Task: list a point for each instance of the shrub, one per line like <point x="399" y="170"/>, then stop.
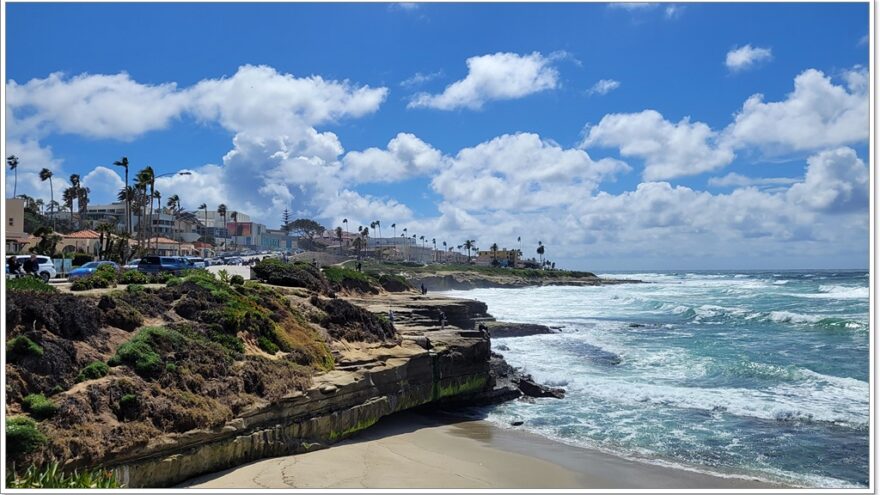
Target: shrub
<point x="228" y="341"/>
<point x="224" y="276"/>
<point x="50" y="476"/>
<point x="35" y="284"/>
<point x="22" y="436"/>
<point x="80" y="259"/>
<point x="94" y="370"/>
<point x="39" y="406"/>
<point x="267" y="345"/>
<point x="108" y="273"/>
<point x="119" y="313"/>
<point x="134" y="289"/>
<point x="91" y="282"/>
<point x="133" y="277"/>
<point x="138" y="353"/>
<point x="297" y="274"/>
<point x="160" y="277"/>
<point x="21" y="346"/>
<point x="236" y="280"/>
<point x="173" y="281"/>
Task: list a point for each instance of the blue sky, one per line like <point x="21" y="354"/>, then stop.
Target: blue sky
<point x="501" y="136"/>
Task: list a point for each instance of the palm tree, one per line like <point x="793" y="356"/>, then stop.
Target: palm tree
<point x="373" y="226"/>
<point x="339" y="237"/>
<point x="221" y="210"/>
<point x="46" y="174"/>
<point x="345" y="221"/>
<point x="541" y="252"/>
<point x="434" y="253"/>
<point x="358" y="243"/>
<point x="379" y="226"/>
<point x="39" y="204"/>
<point x="444" y="250"/>
<point x="71" y="194"/>
<point x="12" y="161"/>
<point x="82" y="202"/>
<point x="469" y="244"/>
<point x="123" y="162"/>
<point x="394" y="226"/>
<point x="173" y="205"/>
<point x="204" y="206"/>
<point x="494" y="249"/>
<point x="234" y="216"/>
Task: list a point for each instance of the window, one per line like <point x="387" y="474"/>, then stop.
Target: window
<point x="11" y="222"/>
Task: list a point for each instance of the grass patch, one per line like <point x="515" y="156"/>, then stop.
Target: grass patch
<point x="138" y="353"/>
<point x="21" y="347"/>
<point x="267" y="345"/>
<point x="94" y="370"/>
<point x="39" y="406"/>
<point x="34" y="284"/>
<point x="22" y="436"/>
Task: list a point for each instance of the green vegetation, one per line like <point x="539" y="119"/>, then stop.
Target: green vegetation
<point x="138" y="353"/>
<point x="35" y="284"/>
<point x="51" y="476"/>
<point x="80" y="259"/>
<point x="267" y="345"/>
<point x="374" y="267"/>
<point x="472" y="384"/>
<point x="337" y="274"/>
<point x="22" y="436"/>
<point x="298" y="274"/>
<point x="39" y="406"/>
<point x="21" y="346"/>
<point x="361" y="425"/>
<point x="236" y="280"/>
<point x="134" y="277"/>
<point x="94" y="370"/>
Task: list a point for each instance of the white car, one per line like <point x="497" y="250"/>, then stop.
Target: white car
<point x="46" y="269"/>
<point x="132" y="265"/>
<point x="196" y="261"/>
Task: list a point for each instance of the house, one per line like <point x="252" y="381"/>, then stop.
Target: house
<point x="504" y="257"/>
<point x="83" y="241"/>
<point x="16" y="238"/>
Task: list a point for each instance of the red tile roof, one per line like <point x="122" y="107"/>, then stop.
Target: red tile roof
<point x="83" y="234"/>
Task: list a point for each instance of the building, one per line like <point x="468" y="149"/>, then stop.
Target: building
<point x="83" y="241"/>
<point x="244" y="235"/>
<point x="505" y="257"/>
<point x="16" y="238"/>
<point x="278" y="240"/>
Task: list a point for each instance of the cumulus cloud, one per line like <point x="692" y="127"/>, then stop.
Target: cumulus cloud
<point x="523" y="171"/>
<point x="836" y="181"/>
<point x="94" y="105"/>
<point x="669" y="149"/>
<point x="258" y="98"/>
<point x="604" y="86"/>
<point x="405" y="156"/>
<point x="103" y="184"/>
<point x="499" y="76"/>
<point x="746" y="57"/>
<point x="817" y="114"/>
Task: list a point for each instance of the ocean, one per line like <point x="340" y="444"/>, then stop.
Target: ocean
<point x="745" y="374"/>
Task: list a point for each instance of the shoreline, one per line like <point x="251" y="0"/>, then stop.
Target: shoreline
<point x="434" y="450"/>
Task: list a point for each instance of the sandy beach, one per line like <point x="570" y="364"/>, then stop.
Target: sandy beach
<point x="411" y="450"/>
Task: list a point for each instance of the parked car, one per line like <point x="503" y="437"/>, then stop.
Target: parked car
<point x="156" y="264"/>
<point x="88" y="269"/>
<point x="131" y="265"/>
<point x="46" y="270"/>
<point x="196" y="261"/>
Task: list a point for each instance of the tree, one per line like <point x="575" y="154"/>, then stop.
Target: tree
<point x="285" y="221"/>
<point x="541" y="252"/>
<point x="48" y="241"/>
<point x="442" y="258"/>
<point x="204" y="207"/>
<point x="307" y="228"/>
<point x="494" y="248"/>
<point x="345" y="221"/>
<point x="174" y="205"/>
<point x="469" y="244"/>
<point x="12" y="161"/>
<point x="221" y="210"/>
<point x="358" y="243"/>
<point x="394" y="226"/>
<point x="339" y="237"/>
<point x="123" y="162"/>
<point x="434" y="253"/>
<point x="45" y="175"/>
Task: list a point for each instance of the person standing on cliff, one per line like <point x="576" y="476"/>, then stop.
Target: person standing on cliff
<point x="424" y="289"/>
<point x="442" y="318"/>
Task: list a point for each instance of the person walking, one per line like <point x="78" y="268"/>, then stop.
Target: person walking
<point x="32" y="266"/>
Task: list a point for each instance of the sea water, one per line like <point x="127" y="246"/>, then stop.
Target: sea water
<point x="754" y="374"/>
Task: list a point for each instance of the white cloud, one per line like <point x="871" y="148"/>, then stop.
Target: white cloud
<point x="406" y="156"/>
<point x="604" y="86"/>
<point x="816" y="115"/>
<point x="736" y="180"/>
<point x="103" y="184"/>
<point x="673" y="11"/>
<point x="669" y="149"/>
<point x="836" y="181"/>
<point x="633" y="6"/>
<point x="521" y="171"/>
<point x="418" y="79"/>
<point x="259" y="99"/>
<point x="746" y="57"/>
<point x="405" y="6"/>
<point x="100" y="106"/>
<point x="499" y="76"/>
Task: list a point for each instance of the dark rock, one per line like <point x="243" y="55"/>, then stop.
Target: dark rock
<point x="516" y="423"/>
<point x="532" y="389"/>
<point x="500" y="329"/>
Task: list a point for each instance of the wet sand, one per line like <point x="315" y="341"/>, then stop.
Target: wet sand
<point x="410" y="450"/>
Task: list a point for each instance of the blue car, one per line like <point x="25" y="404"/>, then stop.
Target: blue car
<point x="156" y="264"/>
<point x="88" y="269"/>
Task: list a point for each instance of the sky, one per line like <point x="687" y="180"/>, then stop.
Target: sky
<point x="637" y="136"/>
